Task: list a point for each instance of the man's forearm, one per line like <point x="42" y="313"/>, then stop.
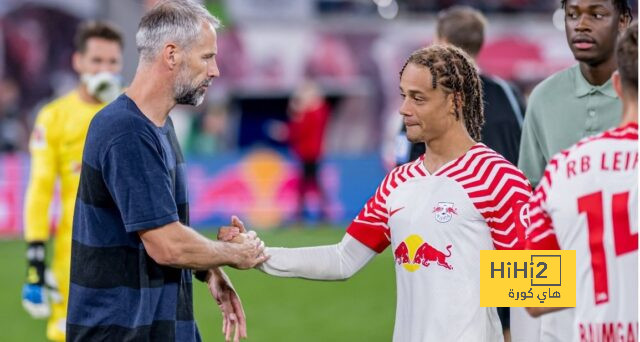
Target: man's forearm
<point x="180" y="246"/>
<point x="199" y="253"/>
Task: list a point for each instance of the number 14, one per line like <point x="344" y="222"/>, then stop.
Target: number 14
<point x="625" y="242"/>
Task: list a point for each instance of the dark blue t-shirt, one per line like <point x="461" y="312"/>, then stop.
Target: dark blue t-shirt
<point x="133" y="178"/>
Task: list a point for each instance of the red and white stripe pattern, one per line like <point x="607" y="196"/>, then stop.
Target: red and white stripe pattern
<point x="494" y="186"/>
<point x="370" y="226"/>
<point x="540" y="234"/>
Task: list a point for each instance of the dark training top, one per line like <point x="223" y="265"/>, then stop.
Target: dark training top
<point x="133" y="178"/>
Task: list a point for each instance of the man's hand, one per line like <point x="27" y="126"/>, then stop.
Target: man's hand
<point x="229" y="234"/>
<point x="40" y="285"/>
<point x="248" y="251"/>
<point x="233" y="318"/>
<point x="243" y="243"/>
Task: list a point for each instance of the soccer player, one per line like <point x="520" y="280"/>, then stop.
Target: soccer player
<point x="132" y="251"/>
<point x="436" y="212"/>
<point x="465" y="27"/>
<point x="570" y="105"/>
<point x="56" y="154"/>
<point x="588" y="201"/>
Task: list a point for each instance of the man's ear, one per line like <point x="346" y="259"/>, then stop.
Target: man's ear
<point x="454" y="100"/>
<point x="76" y="63"/>
<point x="171" y="55"/>
<point x="625" y="21"/>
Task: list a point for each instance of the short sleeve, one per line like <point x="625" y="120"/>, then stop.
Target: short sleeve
<point x="139" y="181"/>
<point x="510" y="190"/>
<point x="540" y="233"/>
<point x="370" y="227"/>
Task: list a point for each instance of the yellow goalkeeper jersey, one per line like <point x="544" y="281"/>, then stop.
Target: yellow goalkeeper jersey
<point x="56" y="146"/>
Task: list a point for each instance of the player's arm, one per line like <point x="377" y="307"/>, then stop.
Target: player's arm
<point x="177" y="245"/>
<point x="333" y="262"/>
<point x="141" y="186"/>
<point x="537" y="312"/>
<point x="367" y="235"/>
<point x="509" y="191"/>
<point x="43" y="174"/>
<point x="531" y="158"/>
<point x="540" y="235"/>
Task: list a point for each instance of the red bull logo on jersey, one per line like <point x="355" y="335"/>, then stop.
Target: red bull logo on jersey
<point x="413" y="252"/>
<point x="444" y="211"/>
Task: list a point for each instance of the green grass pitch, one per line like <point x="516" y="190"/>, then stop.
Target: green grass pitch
<point x="278" y="309"/>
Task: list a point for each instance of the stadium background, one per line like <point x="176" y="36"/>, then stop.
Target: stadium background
<point x="352" y="48"/>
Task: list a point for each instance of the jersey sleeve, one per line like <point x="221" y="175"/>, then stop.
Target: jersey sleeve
<point x="540" y="233"/>
<point x="43" y="147"/>
<point x="509" y="190"/>
<point x="370" y="227"/>
<point x="139" y="181"/>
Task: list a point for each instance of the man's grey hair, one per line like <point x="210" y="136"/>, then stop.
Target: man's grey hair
<point x="178" y="21"/>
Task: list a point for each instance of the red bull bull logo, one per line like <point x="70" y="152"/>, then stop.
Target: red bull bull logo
<point x="414" y="252"/>
<point x="444" y="211"/>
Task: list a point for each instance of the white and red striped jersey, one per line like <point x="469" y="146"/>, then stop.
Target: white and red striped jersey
<point x="437" y="224"/>
<point x="588" y="201"/>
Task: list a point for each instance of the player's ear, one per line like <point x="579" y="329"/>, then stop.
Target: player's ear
<point x="76" y="62"/>
<point x="625" y="21"/>
<point x="171" y="55"/>
<point x="617" y="83"/>
<point x="454" y="103"/>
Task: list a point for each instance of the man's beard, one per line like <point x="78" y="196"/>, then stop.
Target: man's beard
<point x="186" y="93"/>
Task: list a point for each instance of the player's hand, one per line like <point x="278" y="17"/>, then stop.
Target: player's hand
<point x="230" y="234"/>
<point x="248" y="251"/>
<point x="233" y="319"/>
<point x="227" y="234"/>
<point x="36" y="297"/>
<point x="35" y="300"/>
<point x="40" y="286"/>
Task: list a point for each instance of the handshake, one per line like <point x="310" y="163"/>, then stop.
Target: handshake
<point x="249" y="249"/>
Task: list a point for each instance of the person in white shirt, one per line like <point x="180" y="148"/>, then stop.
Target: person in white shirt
<point x="436" y="212"/>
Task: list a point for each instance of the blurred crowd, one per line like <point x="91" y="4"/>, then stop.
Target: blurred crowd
<point x="354" y="62"/>
<point x="261" y="66"/>
<point x="431" y="5"/>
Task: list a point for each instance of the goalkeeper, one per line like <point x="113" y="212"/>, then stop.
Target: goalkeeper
<point x="56" y="148"/>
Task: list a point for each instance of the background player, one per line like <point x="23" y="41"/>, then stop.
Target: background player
<point x="437" y="212"/>
<point x="56" y="154"/>
<point x="568" y="106"/>
<point x="587" y="200"/>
